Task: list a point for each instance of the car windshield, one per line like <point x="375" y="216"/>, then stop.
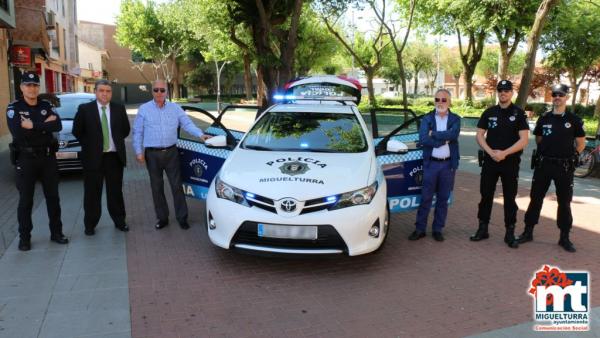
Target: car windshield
<point x="307" y="131"/>
<point x="68" y="106"/>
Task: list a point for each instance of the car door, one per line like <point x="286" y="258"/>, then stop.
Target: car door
<point x="403" y="172"/>
<point x="200" y="163"/>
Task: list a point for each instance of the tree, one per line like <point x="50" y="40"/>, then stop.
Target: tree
<point x="393" y="26"/>
<point x="420" y="58"/>
<point x="316" y="49"/>
<point x="572" y="41"/>
<point x="156" y="34"/>
<point x="452" y="65"/>
<point x="367" y="51"/>
<point x="533" y="39"/>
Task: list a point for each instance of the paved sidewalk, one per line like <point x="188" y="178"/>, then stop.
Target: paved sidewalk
<point x="174" y="283"/>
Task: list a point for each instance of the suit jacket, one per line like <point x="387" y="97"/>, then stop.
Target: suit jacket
<point x="87" y="128"/>
<point x="439" y="138"/>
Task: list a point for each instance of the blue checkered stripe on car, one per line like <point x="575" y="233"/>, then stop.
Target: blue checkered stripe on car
<point x="402" y="138"/>
<point x="219" y="131"/>
<point x="201" y="148"/>
<point x="396" y="158"/>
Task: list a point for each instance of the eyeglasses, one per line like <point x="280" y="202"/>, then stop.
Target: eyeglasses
<point x="559" y="94"/>
<point x="156" y="90"/>
<point x="443" y="99"/>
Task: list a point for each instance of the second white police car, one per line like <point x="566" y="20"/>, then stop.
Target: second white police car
<point x="311" y="175"/>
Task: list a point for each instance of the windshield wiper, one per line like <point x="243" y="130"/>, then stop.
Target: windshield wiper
<point x="254" y="147"/>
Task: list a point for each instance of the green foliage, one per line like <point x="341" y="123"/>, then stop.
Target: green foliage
<point x="316" y="47"/>
<point x="488" y="65"/>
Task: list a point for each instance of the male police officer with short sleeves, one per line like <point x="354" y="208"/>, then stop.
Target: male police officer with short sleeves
<point x="31" y="123"/>
<point x="502" y="133"/>
<point x="560" y="138"/>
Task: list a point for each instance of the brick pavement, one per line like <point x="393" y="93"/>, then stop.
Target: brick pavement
<point x="183" y="286"/>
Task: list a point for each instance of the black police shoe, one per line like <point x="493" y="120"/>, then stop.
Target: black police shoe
<point x="437" y="235"/>
<point x="60" y="239"/>
<point x="184" y="225"/>
<point x="124" y="227"/>
<point x="24" y="244"/>
<point x="566" y="244"/>
<point x="527" y="235"/>
<point x="482" y="233"/>
<point x="161" y="224"/>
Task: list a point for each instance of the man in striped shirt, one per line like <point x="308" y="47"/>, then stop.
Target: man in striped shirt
<point x="154" y="142"/>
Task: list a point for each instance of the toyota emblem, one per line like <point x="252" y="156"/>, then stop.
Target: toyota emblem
<point x="288" y="205"/>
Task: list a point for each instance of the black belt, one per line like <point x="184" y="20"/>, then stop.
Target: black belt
<point x="159" y="148"/>
<point x="35" y="150"/>
<point x="556" y="159"/>
<point x="440" y="159"/>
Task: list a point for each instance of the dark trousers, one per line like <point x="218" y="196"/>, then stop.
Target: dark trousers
<point x="157" y="162"/>
<point x="508" y="171"/>
<point x="111" y="172"/>
<point x="563" y="181"/>
<point x="30" y="169"/>
<point x="438" y="180"/>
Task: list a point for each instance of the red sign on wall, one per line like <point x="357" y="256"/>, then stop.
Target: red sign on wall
<point x="21" y="56"/>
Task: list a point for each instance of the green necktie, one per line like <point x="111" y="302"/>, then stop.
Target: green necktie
<point x="105" y="129"/>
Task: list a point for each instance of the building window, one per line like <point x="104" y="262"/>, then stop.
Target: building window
<point x="4" y="5"/>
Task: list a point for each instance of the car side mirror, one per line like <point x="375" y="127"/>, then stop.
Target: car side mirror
<point x="219" y="141"/>
<point x="394" y="146"/>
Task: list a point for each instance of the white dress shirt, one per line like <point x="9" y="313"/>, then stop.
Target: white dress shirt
<point x="441" y="124"/>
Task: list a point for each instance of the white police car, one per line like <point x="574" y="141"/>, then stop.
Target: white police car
<point x="307" y="177"/>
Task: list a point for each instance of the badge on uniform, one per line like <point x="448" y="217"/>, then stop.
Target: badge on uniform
<point x="567" y="125"/>
<point x="547" y="130"/>
<point x="43" y="112"/>
<point x="10" y="114"/>
<point x="512" y="118"/>
<point x="492" y="123"/>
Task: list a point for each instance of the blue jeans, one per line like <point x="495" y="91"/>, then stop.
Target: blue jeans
<point x="438" y="179"/>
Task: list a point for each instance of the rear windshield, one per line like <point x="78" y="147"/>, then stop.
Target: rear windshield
<point x="68" y="106"/>
<point x="302" y="131"/>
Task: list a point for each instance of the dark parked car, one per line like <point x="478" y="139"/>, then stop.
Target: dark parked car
<point x="68" y="154"/>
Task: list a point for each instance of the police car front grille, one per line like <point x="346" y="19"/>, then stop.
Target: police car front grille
<point x="328" y="238"/>
<point x="262" y="202"/>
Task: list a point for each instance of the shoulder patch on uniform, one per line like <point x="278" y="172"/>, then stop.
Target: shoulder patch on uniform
<point x="10" y="113"/>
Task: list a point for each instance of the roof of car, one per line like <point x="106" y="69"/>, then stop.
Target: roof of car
<point x="76" y="95"/>
<point x="314" y="108"/>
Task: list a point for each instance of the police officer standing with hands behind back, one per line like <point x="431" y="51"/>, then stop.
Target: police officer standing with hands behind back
<point x="502" y="133"/>
<point x="31" y="123"/>
<point x="560" y="138"/>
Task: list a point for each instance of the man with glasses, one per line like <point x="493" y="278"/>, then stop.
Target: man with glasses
<point x="32" y="122"/>
<point x="154" y="142"/>
<point x="438" y="136"/>
<point x="560" y="138"/>
<point x="101" y="127"/>
<point x="502" y="133"/>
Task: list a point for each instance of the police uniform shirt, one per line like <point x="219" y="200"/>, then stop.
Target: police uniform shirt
<point x="41" y="133"/>
<point x="558" y="134"/>
<point x="503" y="125"/>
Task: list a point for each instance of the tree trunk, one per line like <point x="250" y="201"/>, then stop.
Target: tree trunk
<point x="457" y="85"/>
<point x="468" y="74"/>
<point x="403" y="78"/>
<point x="288" y="47"/>
<point x="261" y="91"/>
<point x="503" y="64"/>
<point x="176" y="94"/>
<point x="573" y="81"/>
<point x="247" y="77"/>
<point x="370" y="74"/>
<point x="532" y="45"/>
<point x="416" y="84"/>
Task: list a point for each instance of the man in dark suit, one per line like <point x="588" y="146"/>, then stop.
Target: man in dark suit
<point x="101" y="127"/>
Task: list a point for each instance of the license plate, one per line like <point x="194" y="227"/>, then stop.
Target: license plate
<point x="287" y="231"/>
<point x="63" y="155"/>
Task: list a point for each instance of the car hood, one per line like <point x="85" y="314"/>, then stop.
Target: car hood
<point x="301" y="175"/>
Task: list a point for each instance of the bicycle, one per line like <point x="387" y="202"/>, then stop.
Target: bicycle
<point x="588" y="159"/>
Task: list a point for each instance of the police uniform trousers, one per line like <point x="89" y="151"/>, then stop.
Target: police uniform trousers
<point x="508" y="171"/>
<point x="562" y="175"/>
<point x="159" y="160"/>
<point x="111" y="172"/>
<point x="32" y="167"/>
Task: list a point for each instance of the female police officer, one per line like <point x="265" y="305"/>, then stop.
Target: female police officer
<point x="31" y="123"/>
<point x="555" y="133"/>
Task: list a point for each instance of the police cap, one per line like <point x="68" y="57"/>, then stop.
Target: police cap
<point x="560" y="88"/>
<point x="504" y="85"/>
<point x="30" y="77"/>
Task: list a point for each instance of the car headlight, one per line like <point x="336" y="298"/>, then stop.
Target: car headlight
<point x="356" y="197"/>
<point x="228" y="192"/>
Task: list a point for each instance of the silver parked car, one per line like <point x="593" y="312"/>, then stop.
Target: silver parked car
<point x="68" y="154"/>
